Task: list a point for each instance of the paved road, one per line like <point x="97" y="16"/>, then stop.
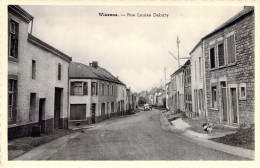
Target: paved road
<point x="135" y="137"/>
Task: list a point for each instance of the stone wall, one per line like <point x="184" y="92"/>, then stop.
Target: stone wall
<point x="235" y="74"/>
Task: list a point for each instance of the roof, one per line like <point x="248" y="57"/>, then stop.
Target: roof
<point x="34" y="40"/>
<point x="244" y="12"/>
<point x="82" y="71"/>
<point x="152" y="91"/>
<point x="20" y="12"/>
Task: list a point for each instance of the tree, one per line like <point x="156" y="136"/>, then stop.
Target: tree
<point x="141" y="100"/>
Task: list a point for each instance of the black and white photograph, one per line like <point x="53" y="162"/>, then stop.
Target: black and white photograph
<point x="132" y="82"/>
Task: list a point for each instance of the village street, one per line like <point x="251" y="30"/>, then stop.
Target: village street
<point x="135" y="137"/>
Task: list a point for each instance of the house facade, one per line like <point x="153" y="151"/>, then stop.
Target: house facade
<point x="37" y="79"/>
<point x="197" y="84"/>
<point x="94" y="94"/>
<point x="229" y="70"/>
<point x="187" y="89"/>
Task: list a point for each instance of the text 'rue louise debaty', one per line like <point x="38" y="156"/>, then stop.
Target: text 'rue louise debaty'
<point x="135" y="15"/>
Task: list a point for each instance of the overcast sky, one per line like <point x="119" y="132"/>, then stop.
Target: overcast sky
<point x="133" y="48"/>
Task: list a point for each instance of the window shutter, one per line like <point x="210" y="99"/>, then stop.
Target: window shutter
<point x="97" y="88"/>
<point x="17" y="39"/>
<point x="231" y="49"/>
<point x="85" y="88"/>
<point x="72" y="88"/>
<point x="9" y="34"/>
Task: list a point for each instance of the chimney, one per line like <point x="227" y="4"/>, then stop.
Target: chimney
<point x="94" y="64"/>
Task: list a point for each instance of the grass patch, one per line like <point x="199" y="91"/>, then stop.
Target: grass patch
<point x="244" y="138"/>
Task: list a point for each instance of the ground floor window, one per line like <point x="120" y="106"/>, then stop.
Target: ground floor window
<point x="214" y="96"/>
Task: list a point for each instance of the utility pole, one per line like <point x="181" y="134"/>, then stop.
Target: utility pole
<point x="165" y="78"/>
<point x="178" y="42"/>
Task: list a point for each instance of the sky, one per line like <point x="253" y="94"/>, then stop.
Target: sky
<point x="133" y="48"/>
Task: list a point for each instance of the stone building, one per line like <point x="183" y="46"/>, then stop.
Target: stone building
<point x="37" y="79"/>
<point x="95" y="94"/>
<point x="229" y="70"/>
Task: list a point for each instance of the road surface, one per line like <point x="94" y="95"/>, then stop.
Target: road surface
<point x="135" y="137"/>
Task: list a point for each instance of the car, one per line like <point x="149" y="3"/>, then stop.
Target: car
<point x="147" y="107"/>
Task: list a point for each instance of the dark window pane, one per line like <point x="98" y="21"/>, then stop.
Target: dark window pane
<point x="212" y="58"/>
<point x="221" y="54"/>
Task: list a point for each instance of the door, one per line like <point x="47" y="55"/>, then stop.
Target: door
<point x="224" y="101"/>
<point x="233" y="92"/>
<point x="41" y="113"/>
<point x="93" y="113"/>
<point x="57" y="108"/>
<point x="103" y="106"/>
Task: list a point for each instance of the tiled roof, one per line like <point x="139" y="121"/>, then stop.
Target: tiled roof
<point x="82" y="71"/>
<point x="152" y="91"/>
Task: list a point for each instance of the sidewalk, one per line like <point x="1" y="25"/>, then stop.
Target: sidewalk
<point x="20" y="146"/>
<point x="182" y="128"/>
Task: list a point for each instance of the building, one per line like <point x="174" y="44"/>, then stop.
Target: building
<point x="37" y="79"/>
<point x="150" y="96"/>
<point x="187" y="89"/>
<point x="197" y="84"/>
<point x="180" y="105"/>
<point x="168" y="98"/>
<point x="95" y="94"/>
<point x="173" y="94"/>
<point x="229" y="70"/>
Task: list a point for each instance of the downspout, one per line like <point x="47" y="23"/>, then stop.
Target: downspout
<point x="204" y="81"/>
<point x="31" y="26"/>
<point x="68" y="105"/>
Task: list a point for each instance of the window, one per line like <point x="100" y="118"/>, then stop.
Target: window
<point x="59" y="71"/>
<point x="103" y="89"/>
<point x="79" y="88"/>
<point x="108" y="89"/>
<point x="212" y="58"/>
<point x="214" y="96"/>
<point x="13" y="39"/>
<point x="221" y="58"/>
<point x="33" y="69"/>
<point x="231" y="49"/>
<point x="12" y="98"/>
<point x="242" y="91"/>
<point x="94" y="88"/>
<point x="113" y="92"/>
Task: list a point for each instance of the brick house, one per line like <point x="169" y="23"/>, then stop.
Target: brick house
<point x="37" y="79"/>
<point x="95" y="94"/>
<point x="229" y="70"/>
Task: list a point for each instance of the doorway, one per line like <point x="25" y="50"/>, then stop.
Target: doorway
<point x="103" y="112"/>
<point x="224" y="102"/>
<point x="41" y="113"/>
<point x="57" y="108"/>
<point x="234" y="109"/>
<point x="93" y="112"/>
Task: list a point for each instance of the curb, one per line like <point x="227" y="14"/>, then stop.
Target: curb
<point x="245" y="153"/>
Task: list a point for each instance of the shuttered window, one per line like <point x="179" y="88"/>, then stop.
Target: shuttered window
<point x="231" y="49"/>
<point x="221" y="58"/>
<point x="214" y="96"/>
<point x="212" y="58"/>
